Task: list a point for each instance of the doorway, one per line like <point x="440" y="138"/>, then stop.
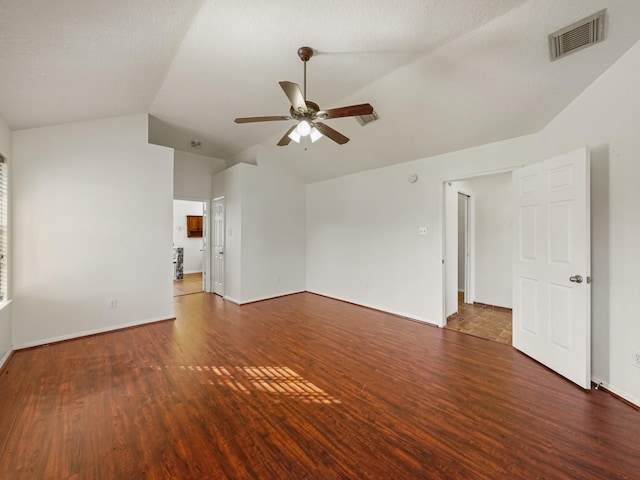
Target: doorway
<point x="478" y="266"/>
<point x="189" y="237"/>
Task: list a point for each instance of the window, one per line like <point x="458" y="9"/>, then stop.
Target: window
<point x="4" y="236"/>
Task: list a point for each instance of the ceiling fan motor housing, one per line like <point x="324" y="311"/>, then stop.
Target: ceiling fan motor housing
<point x="308" y="112"/>
<point x="305" y="53"/>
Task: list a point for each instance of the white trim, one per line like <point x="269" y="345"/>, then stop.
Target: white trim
<point x="379" y="308"/>
<point x="6" y="356"/>
<point x="5" y="303"/>
<point x="194" y="271"/>
<point x="87" y="333"/>
<point x="212" y="248"/>
<point x="443" y="226"/>
<point x="190" y="199"/>
<point x="259" y="299"/>
<point x="621" y="393"/>
<point x="470" y="238"/>
<point x="485" y="173"/>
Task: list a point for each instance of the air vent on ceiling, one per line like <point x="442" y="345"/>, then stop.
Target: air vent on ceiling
<point x="364" y="119"/>
<point x="582" y="34"/>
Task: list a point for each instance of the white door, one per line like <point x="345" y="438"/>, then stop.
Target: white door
<point x="206" y="278"/>
<point x="218" y="246"/>
<point x="551" y="284"/>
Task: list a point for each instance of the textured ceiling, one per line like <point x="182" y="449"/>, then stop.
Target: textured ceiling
<point x="69" y="60"/>
<point x="442" y="74"/>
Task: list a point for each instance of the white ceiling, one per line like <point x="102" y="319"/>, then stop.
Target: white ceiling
<point x="442" y="74"/>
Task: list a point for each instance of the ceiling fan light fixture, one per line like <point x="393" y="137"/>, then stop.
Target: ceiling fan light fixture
<point x="295" y="136"/>
<point x="303" y="128"/>
<point x="315" y="134"/>
<point x="308" y="114"/>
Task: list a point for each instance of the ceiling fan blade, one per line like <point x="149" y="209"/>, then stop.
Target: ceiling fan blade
<point x="261" y="119"/>
<point x="350" y="111"/>
<point x="334" y="135"/>
<point x="294" y="94"/>
<point x="284" y="141"/>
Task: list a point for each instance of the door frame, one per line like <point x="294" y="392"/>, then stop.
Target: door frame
<point x="443" y="226"/>
<point x="469" y="224"/>
<point x="212" y="248"/>
<point x="206" y="253"/>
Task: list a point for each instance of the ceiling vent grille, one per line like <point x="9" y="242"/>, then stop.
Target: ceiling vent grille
<point x="582" y="34"/>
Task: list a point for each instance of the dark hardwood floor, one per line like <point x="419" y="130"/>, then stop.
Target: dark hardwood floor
<point x="301" y="387"/>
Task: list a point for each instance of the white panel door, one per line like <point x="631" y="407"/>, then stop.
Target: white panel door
<point x="206" y="252"/>
<point x="551" y="285"/>
<point x="218" y="246"/>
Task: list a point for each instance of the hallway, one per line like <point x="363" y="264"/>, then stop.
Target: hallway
<point x="484" y="321"/>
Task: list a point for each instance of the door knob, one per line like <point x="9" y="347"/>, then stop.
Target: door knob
<point x="576" y="279"/>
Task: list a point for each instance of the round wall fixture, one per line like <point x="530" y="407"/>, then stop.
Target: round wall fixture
<point x="413" y="178"/>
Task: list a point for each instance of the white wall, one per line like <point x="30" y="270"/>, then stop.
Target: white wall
<point x="5" y="308"/>
<point x="192" y="175"/>
<point x="606" y="117"/>
<point x="462" y="239"/>
<point x="92" y="204"/>
<point x="233" y="178"/>
<point x="266" y="251"/>
<point x="452" y="264"/>
<point x="193" y="255"/>
<point x="362" y="229"/>
<point x="624" y="327"/>
<point x="218" y="185"/>
<point x="493" y="241"/>
<point x="273" y="232"/>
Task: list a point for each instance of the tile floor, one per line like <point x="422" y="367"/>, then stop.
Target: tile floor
<point x="485" y="321"/>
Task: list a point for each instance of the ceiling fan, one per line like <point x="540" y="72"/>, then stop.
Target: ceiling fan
<point x="308" y="113"/>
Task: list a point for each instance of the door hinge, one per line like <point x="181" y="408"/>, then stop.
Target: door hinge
<point x="588" y="279"/>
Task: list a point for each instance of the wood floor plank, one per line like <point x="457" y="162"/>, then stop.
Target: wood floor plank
<point x="190" y="283"/>
<point x="301" y="387"/>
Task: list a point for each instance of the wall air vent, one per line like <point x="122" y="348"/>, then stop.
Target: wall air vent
<point x="364" y="119"/>
<point x="582" y="34"/>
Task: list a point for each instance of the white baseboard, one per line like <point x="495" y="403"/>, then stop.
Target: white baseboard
<point x="86" y="333"/>
<point x="378" y="307"/>
<point x="195" y="271"/>
<point x="618" y="391"/>
<point x="5" y="357"/>
<point x="259" y="299"/>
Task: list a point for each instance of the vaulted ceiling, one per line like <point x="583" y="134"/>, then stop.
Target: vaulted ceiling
<point x="443" y="75"/>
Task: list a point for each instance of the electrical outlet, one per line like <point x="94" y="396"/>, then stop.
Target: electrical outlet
<point x="113" y="303"/>
<point x="636" y="358"/>
<point x="422" y="231"/>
